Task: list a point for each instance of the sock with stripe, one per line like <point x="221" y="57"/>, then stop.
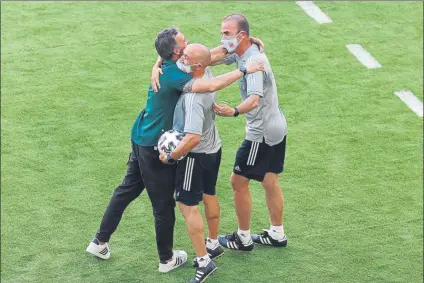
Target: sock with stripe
<point x="203" y="260"/>
<point x="276" y="232"/>
<point x="244" y="236"/>
<point x="211" y="243"/>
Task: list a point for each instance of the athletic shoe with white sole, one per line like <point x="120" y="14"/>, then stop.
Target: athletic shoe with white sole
<point x="233" y="241"/>
<point x="101" y="251"/>
<point x="177" y="260"/>
<point x="265" y="239"/>
<point x="203" y="272"/>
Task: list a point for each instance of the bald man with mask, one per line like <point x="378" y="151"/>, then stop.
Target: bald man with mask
<point x="197" y="173"/>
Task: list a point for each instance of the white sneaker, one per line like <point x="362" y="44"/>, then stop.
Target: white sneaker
<point x="178" y="259"/>
<point x="101" y="251"/>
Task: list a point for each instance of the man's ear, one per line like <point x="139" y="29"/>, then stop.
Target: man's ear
<point x="194" y="67"/>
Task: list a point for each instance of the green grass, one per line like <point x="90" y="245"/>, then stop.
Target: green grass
<point x="74" y="77"/>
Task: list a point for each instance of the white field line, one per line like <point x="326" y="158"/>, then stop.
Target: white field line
<point x="314" y="12"/>
<point x="363" y="56"/>
<point x="411" y="100"/>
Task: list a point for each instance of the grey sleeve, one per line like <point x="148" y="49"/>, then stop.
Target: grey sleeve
<point x="229" y="59"/>
<point x="255" y="83"/>
<point x="194" y="114"/>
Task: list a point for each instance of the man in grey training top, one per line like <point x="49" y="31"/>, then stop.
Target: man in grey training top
<point x="261" y="155"/>
<point x="197" y="174"/>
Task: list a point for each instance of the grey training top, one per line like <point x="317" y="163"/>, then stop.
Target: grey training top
<point x="193" y="114"/>
<point x="267" y="120"/>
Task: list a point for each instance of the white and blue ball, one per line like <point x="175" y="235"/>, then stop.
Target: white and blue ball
<point x="169" y="140"/>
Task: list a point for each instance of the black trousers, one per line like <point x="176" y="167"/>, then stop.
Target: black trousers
<point x="145" y="170"/>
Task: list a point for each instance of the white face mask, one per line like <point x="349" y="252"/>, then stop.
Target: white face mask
<point x="230" y="44"/>
<point x="185" y="68"/>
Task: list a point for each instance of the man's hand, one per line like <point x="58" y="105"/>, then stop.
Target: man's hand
<point x="156" y="72"/>
<point x="223" y="110"/>
<point x="162" y="156"/>
<point x="259" y="43"/>
<point x="255" y="66"/>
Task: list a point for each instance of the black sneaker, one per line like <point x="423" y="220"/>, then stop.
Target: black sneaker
<point x="203" y="272"/>
<point x="265" y="239"/>
<point x="232" y="241"/>
<point x="215" y="252"/>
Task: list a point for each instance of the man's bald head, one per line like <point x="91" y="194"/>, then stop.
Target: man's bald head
<point x="198" y="54"/>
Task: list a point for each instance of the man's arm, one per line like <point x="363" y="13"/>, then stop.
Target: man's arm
<point x="185" y="83"/>
<point x="216" y="83"/>
<point x="193" y="125"/>
<point x="255" y="91"/>
<point x="249" y="104"/>
<point x="222" y="81"/>
<point x="217" y="55"/>
<point x="156" y="72"/>
<point x="185" y="146"/>
<point x="252" y="102"/>
<point x="158" y="63"/>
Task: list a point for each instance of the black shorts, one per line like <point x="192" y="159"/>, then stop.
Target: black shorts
<point x="254" y="159"/>
<point x="197" y="175"/>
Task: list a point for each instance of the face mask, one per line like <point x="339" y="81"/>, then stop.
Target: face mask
<point x="185" y="68"/>
<point x="231" y="43"/>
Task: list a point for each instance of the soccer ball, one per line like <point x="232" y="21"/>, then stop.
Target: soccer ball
<point x="169" y="140"/>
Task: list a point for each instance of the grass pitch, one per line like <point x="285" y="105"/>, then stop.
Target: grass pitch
<point x="74" y="77"/>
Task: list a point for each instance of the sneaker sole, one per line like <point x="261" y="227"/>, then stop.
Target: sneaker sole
<point x="282" y="246"/>
<point x="97" y="254"/>
<point x="239" y="250"/>
<point x="175" y="267"/>
<point x="242" y="251"/>
<point x="218" y="256"/>
<point x="204" y="279"/>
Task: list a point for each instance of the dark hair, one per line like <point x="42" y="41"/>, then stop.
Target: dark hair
<point x="242" y="23"/>
<point x="165" y="43"/>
